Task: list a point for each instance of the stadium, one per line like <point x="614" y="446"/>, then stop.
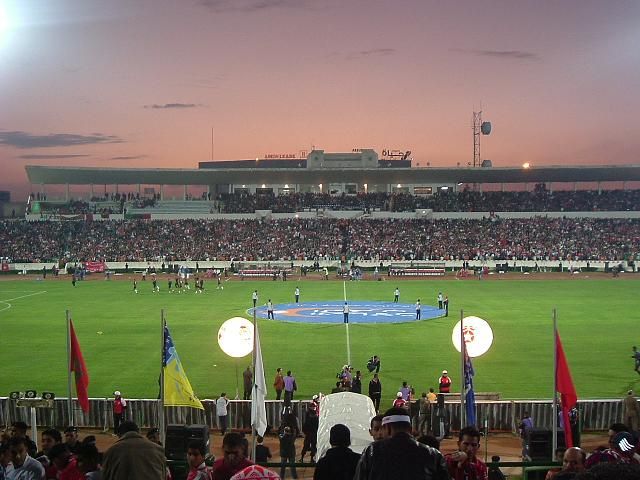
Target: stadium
<point x="259" y="239"/>
<point x="500" y="243"/>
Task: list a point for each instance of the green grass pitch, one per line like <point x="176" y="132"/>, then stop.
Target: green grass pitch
<point x="597" y="319"/>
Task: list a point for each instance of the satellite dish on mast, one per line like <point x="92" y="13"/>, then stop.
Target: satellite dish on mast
<point x="485" y="128"/>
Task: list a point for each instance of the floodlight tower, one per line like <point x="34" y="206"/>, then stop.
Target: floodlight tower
<point x="479" y="127"/>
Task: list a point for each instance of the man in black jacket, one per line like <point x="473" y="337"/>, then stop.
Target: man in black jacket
<point x="399" y="456"/>
<point x="375" y="391"/>
<point x="339" y="463"/>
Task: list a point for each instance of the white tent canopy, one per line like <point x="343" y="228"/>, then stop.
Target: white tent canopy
<point x="350" y="409"/>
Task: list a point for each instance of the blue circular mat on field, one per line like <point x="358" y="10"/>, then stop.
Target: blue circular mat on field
<point x="359" y="312"/>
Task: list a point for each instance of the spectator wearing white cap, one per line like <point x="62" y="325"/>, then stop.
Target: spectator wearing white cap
<point x="444" y="382"/>
<point x="399" y="402"/>
<point x="399" y="455"/>
<point x="119" y="408"/>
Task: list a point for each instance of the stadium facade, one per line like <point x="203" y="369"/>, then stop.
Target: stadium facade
<point x="362" y="170"/>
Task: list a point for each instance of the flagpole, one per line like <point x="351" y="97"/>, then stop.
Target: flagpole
<point x="462" y="350"/>
<point x="255" y="387"/>
<point x="70" y="397"/>
<point x="161" y="399"/>
<point x="344" y="286"/>
<point x="554" y="410"/>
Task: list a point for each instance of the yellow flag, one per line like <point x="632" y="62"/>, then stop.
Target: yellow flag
<point x="177" y="389"/>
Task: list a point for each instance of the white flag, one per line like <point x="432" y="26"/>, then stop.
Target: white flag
<point x="258" y="409"/>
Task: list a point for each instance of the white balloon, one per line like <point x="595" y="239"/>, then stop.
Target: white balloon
<point x="235" y="337"/>
<point x="478" y="336"/>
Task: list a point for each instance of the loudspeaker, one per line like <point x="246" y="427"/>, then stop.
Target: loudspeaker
<point x="48" y="395"/>
<point x="540" y="447"/>
<point x="14" y="395"/>
<point x="30" y="394"/>
<point x="198" y="432"/>
<point x="175" y="447"/>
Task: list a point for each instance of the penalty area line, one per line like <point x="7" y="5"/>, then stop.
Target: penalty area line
<point x="22" y="296"/>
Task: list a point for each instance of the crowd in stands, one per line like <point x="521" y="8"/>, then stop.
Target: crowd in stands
<point x="538" y="200"/>
<point x="295" y="202"/>
<point x="538" y="238"/>
<point x="396" y="451"/>
<point x="74" y="207"/>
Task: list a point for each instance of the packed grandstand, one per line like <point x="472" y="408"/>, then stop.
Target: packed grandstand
<point x="538" y="200"/>
<point x="537" y="238"/>
<point x="223" y="237"/>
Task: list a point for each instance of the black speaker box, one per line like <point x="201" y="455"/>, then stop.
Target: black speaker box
<point x="198" y="432"/>
<point x="178" y="437"/>
<point x="541" y="444"/>
<point x="175" y="446"/>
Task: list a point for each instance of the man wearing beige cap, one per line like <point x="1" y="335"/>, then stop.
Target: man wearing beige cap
<point x="631" y="411"/>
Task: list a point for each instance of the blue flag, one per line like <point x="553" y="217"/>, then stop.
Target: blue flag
<point x="470" y="397"/>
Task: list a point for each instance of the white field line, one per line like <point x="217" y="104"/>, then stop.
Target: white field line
<point x="23" y="296"/>
<point x="8" y="305"/>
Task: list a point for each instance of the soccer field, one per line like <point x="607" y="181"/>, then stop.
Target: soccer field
<point x="119" y="333"/>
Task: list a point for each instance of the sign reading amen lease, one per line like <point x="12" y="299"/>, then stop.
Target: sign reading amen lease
<point x="478" y="336"/>
<point x="235" y="337"/>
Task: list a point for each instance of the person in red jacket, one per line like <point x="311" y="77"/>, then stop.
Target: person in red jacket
<point x="235" y="448"/>
<point x="65" y="463"/>
<point x="463" y="464"/>
<point x="119" y="407"/>
<point x="399" y="402"/>
<point x="198" y="470"/>
<point x="445" y="382"/>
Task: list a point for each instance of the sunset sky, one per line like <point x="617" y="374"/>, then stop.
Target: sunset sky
<point x="122" y="83"/>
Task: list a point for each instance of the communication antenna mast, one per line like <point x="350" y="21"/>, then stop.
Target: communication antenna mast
<point x="479" y="127"/>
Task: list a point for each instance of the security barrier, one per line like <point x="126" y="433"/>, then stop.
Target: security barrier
<point x="498" y="415"/>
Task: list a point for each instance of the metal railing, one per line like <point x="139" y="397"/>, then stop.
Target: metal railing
<point x="499" y="415"/>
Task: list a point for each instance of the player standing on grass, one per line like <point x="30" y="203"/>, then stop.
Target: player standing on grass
<point x="636" y="358"/>
<point x="135" y="286"/>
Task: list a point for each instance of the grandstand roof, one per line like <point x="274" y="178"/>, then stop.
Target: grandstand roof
<point x="38" y="174"/>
